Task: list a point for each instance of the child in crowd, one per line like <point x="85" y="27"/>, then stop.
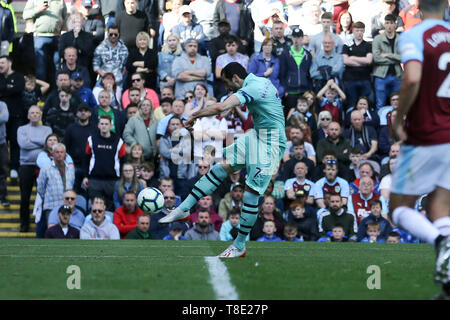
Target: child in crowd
<point x="34" y="91"/>
<point x="230" y="228"/>
<point x="303" y="109"/>
<point x="355" y="158"/>
<point x="373" y="233"/>
<point x="393" y="237"/>
<point x="269" y="230"/>
<point x="175" y="232"/>
<point x="147" y="175"/>
<point x="290" y="232"/>
<point x="337" y="234"/>
<point x="304" y="219"/>
<point x="331" y="98"/>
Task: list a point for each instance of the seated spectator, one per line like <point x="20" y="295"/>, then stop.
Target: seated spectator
<point x="299" y="182"/>
<point x="226" y="185"/>
<point x="373" y="233"/>
<point x="362" y="136"/>
<point x="305" y="220"/>
<point x="109" y="215"/>
<point x="385" y="112"/>
<point x="167" y="184"/>
<point x="303" y="108"/>
<point x="333" y="184"/>
<point x="128" y="182"/>
<point x="329" y="156"/>
<point x="359" y="203"/>
<point x="143" y="59"/>
<point x="337" y="234"/>
<point x="355" y="159"/>
<point x="138" y="81"/>
<point x="63" y="230"/>
<point x="388" y="7"/>
<point x="287" y="170"/>
<point x="76" y="215"/>
<point x="158" y="230"/>
<point x="147" y="175"/>
<point x="142" y="229"/>
<point x="45" y="157"/>
<point x="230" y="228"/>
<point x="108" y="83"/>
<point x="267" y="211"/>
<point x="393" y="237"/>
<point x="177" y="110"/>
<point x="170" y="50"/>
<point x="331" y="98"/>
<point x="374" y="216"/>
<point x="386" y="181"/>
<point x="324" y="120"/>
<point x="99" y="228"/>
<point x="337" y="214"/>
<point x="201" y="96"/>
<point x="203" y="229"/>
<point x="291" y="232"/>
<point x="126" y="216"/>
<point x="71" y="65"/>
<point x="296" y="132"/>
<point x="206" y="203"/>
<point x="336" y="142"/>
<point x="164" y="109"/>
<point x="176" y="232"/>
<point x="387" y="138"/>
<point x="394" y="151"/>
<point x="231" y="201"/>
<point x="60" y="116"/>
<point x="269" y="230"/>
<point x="370" y="116"/>
<point x="85" y="93"/>
<point x="136" y="156"/>
<point x="366" y="169"/>
<point x="265" y="64"/>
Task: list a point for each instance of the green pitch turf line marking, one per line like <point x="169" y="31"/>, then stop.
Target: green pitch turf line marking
<point x="220" y="279"/>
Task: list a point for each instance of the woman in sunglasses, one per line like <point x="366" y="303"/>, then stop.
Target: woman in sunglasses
<point x="324" y="121"/>
<point x="199" y="101"/>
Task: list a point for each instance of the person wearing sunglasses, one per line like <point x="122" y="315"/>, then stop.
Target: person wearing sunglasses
<point x="69" y="200"/>
<point x="99" y="228"/>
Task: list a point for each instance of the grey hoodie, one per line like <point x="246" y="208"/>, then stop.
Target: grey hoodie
<point x="195" y="234"/>
<point x="90" y="231"/>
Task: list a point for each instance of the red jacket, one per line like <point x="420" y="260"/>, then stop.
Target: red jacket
<point x="126" y="221"/>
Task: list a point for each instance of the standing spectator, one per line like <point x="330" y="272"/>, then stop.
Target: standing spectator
<point x="190" y="68"/>
<point x="281" y="42"/>
<point x="60" y="116"/>
<point x="126" y="216"/>
<point x="108" y="83"/>
<point x="169" y="51"/>
<point x="104" y="107"/>
<point x="130" y="22"/>
<point x="334" y="141"/>
<point x="217" y="44"/>
<point x="143" y="59"/>
<point x="142" y="229"/>
<point x="53" y="180"/>
<point x="4" y="116"/>
<point x="299" y="183"/>
<point x="34" y="91"/>
<point x="99" y="228"/>
<point x="316" y="44"/>
<point x="45" y="157"/>
<point x="63" y="230"/>
<point x="49" y="18"/>
<point x="7" y="27"/>
<point x="387" y="70"/>
<point x="108" y="9"/>
<point x="94" y="22"/>
<point x="138" y="81"/>
<point x="12" y="84"/>
<point x="359" y="202"/>
<point x="77" y="216"/>
<point x="188" y="29"/>
<point x="86" y="95"/>
<point x="70" y="64"/>
<point x="364" y="11"/>
<point x="358" y="59"/>
<point x="111" y="55"/>
<point x="231" y="201"/>
<point x="362" y="136"/>
<point x="104" y="151"/>
<point x="31" y="139"/>
<point x="171" y="18"/>
<point x="142" y="128"/>
<point x="128" y="182"/>
<point x="268" y="211"/>
<point x="203" y="229"/>
<point x="388" y="7"/>
<point x="344" y="27"/>
<point x="203" y="10"/>
<point x="295" y="64"/>
<point x="331" y="184"/>
<point x="411" y="15"/>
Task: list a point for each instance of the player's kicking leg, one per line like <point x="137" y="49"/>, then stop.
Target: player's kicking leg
<point x="204" y="187"/>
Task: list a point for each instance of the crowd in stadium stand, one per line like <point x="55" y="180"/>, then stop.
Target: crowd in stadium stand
<point x="94" y="94"/>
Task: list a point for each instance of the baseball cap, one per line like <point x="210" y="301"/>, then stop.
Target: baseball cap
<point x="176" y="225"/>
<point x="224" y="21"/>
<point x="297" y="32"/>
<point x="185" y="9"/>
<point x="83" y="106"/>
<point x="76" y="75"/>
<point x="86" y="3"/>
<point x="65" y="209"/>
<point x="236" y="184"/>
<point x="190" y="40"/>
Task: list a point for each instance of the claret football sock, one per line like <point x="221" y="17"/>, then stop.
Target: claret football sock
<point x="205" y="186"/>
<point x="249" y="214"/>
<point x="416" y="224"/>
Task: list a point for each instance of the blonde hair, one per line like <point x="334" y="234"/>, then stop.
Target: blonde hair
<point x="146" y="36"/>
<point x="165" y="47"/>
<point x="151" y="109"/>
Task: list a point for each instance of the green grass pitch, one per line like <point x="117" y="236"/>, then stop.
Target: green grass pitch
<point x="133" y="269"/>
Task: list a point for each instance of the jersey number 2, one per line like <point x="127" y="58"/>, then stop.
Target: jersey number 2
<point x="444" y="89"/>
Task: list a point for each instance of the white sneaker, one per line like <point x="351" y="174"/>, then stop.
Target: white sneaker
<point x="13" y="174"/>
<point x="175" y="215"/>
<point x="442" y="269"/>
<point x="233" y="252"/>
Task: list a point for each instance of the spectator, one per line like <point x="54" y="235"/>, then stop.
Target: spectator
<point x="333" y="184"/>
<point x="374" y="216"/>
<point x="105" y="108"/>
<point x="138" y="81"/>
<point x="104" y="152"/>
<point x="34" y="91"/>
<point x="164" y="109"/>
<point x="337" y="234"/>
<point x="269" y="230"/>
<point x="287" y="170"/>
<point x="63" y="230"/>
<point x="265" y="64"/>
<point x="373" y="233"/>
<point x="167" y="184"/>
<point x="334" y="141"/>
<point x="188" y="29"/>
<point x="60" y="116"/>
<point x="267" y="211"/>
<point x="387" y="70"/>
<point x="69" y="200"/>
<point x="11" y="86"/>
<point x="48" y="19"/>
<point x="99" y="228"/>
<point x="330" y="156"/>
<point x="199" y="102"/>
<point x="331" y="99"/>
<point x="203" y="229"/>
<point x="296" y="132"/>
<point x="142" y="128"/>
<point x="130" y="22"/>
<point x="31" y="139"/>
<point x="318" y="42"/>
<point x="203" y="10"/>
<point x="337" y="214"/>
<point x="366" y="169"/>
<point x="45" y="157"/>
<point x="142" y="229"/>
<point x="299" y="183"/>
<point x="4" y="116"/>
<point x="393" y="237"/>
<point x="364" y="11"/>
<point x="108" y="83"/>
<point x="94" y="22"/>
<point x="230" y="228"/>
<point x="159" y="231"/>
<point x="411" y="15"/>
<point x="295" y="64"/>
<point x="310" y="23"/>
<point x="291" y="233"/>
<point x="110" y="56"/>
<point x="355" y="159"/>
<point x="171" y="18"/>
<point x="385" y="183"/>
<point x="344" y="27"/>
<point x="136" y="156"/>
<point x="358" y="59"/>
<point x="231" y="201"/>
<point x="323" y="122"/>
<point x="385" y="113"/>
<point x="126" y="216"/>
<point x="128" y="182"/>
<point x="360" y="201"/>
<point x="83" y="44"/>
<point x="8" y="28"/>
<point x="281" y="43"/>
<point x="190" y="68"/>
<point x="303" y="108"/>
<point x="143" y="59"/>
<point x="147" y="175"/>
<point x="217" y="44"/>
<point x="177" y="110"/>
<point x="388" y="7"/>
<point x="260" y="18"/>
<point x="362" y="136"/>
<point x="305" y="220"/>
<point x="108" y="9"/>
<point x="176" y="232"/>
<point x="206" y="203"/>
<point x="170" y="50"/>
<point x="53" y="180"/>
<point x="370" y="116"/>
<point x="387" y="138"/>
<point x="86" y="94"/>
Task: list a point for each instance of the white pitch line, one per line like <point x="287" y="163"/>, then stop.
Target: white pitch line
<point x="95" y="257"/>
<point x="220" y="279"/>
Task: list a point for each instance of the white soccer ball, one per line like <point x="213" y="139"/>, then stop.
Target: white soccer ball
<point x="150" y="200"/>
